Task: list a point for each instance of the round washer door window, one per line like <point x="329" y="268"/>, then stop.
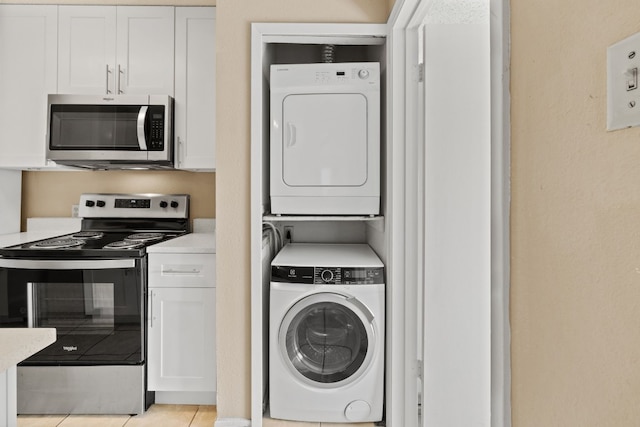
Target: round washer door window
<point x="326" y="338"/>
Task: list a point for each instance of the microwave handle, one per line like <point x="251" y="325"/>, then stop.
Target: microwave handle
<point x="142" y="118"/>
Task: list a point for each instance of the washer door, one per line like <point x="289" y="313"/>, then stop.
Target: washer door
<point x="327" y="339"/>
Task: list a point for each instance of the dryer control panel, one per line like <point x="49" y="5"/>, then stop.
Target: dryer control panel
<point x="328" y="275"/>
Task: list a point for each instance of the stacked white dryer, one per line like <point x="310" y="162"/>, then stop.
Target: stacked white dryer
<point x="325" y="139"/>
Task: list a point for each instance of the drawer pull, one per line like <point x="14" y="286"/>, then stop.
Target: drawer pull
<point x="191" y="271"/>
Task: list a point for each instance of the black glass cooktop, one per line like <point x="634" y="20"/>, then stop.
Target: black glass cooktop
<point x="77" y="245"/>
<point x="102" y="238"/>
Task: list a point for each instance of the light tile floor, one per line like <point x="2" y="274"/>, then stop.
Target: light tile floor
<point x="156" y="416"/>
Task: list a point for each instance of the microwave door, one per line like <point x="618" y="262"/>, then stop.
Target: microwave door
<point x="142" y="119"/>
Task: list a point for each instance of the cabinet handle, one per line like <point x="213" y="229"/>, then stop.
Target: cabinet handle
<point x="180" y="151"/>
<point x="120" y="73"/>
<point x="108" y="72"/>
<point x="192" y="271"/>
<point x="151" y="309"/>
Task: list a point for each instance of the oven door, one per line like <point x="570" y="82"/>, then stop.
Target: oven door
<point x="96" y="306"/>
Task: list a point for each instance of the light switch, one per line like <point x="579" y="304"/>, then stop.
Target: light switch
<point x="623" y="94"/>
<point x="632" y="79"/>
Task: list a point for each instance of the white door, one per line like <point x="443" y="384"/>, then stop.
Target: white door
<point x="28" y="55"/>
<point x="182" y="339"/>
<point x="324" y="140"/>
<point x="87" y="50"/>
<point x="145" y="50"/>
<point x="195" y="100"/>
<point x="445" y="121"/>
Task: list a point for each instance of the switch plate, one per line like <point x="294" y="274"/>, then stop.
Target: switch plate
<point x="623" y="94"/>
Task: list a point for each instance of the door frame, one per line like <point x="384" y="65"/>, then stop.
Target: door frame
<point x="405" y="217"/>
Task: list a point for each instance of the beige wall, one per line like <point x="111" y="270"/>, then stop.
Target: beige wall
<point x="233" y="173"/>
<point x="53" y="193"/>
<point x="575" y="295"/>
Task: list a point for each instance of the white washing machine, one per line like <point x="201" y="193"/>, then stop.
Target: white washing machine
<point x="325" y="139"/>
<point x="326" y="333"/>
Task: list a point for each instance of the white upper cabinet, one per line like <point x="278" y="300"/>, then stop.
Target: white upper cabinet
<point x="145" y="49"/>
<point x="116" y="50"/>
<point x="86" y="60"/>
<point x="195" y="90"/>
<point x="28" y="54"/>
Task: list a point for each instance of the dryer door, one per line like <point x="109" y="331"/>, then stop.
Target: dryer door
<point x="324" y="140"/>
<point x="327" y="339"/>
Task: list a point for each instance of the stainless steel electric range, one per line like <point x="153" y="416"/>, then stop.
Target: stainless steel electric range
<point x="91" y="286"/>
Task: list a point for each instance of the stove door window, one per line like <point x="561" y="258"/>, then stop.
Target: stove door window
<point x="98" y="314"/>
<point x="72" y="308"/>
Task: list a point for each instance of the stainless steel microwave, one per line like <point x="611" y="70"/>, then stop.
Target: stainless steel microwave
<point x="111" y="132"/>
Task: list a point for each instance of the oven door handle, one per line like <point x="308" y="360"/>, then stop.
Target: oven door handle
<point x="57" y="264"/>
<point x="30" y="308"/>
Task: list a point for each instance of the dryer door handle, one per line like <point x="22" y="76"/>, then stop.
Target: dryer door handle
<point x="290" y="135"/>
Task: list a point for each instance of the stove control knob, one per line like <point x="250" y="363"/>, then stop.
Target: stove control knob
<point x="174" y="204"/>
<point x="90" y="203"/>
<point x="100" y="203"/>
<point x="163" y="204"/>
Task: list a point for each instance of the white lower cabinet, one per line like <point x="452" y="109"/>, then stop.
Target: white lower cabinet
<point x="181" y="327"/>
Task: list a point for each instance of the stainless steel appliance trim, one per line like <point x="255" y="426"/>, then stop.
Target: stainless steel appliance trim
<point x="142" y="117"/>
<point x="65" y="264"/>
<point x="82" y="390"/>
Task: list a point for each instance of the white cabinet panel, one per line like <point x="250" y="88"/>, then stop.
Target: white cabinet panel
<point x="145" y="49"/>
<point x="182" y="339"/>
<point x="116" y="49"/>
<point x="87" y="49"/>
<point x="195" y="88"/>
<point x="28" y="55"/>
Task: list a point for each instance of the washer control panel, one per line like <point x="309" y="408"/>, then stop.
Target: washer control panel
<point x="328" y="275"/>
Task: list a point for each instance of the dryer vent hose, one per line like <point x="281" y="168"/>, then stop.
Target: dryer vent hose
<point x="328" y="53"/>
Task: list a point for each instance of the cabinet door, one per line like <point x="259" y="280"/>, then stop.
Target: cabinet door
<point x="181" y="354"/>
<point x="87" y="49"/>
<point x="28" y="53"/>
<point x="145" y="50"/>
<point x="195" y="99"/>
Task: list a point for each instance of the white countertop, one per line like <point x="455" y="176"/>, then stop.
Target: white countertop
<point x="17" y="344"/>
<point x="200" y="243"/>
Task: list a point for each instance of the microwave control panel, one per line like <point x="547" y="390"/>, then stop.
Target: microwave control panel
<point x="155" y="130"/>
